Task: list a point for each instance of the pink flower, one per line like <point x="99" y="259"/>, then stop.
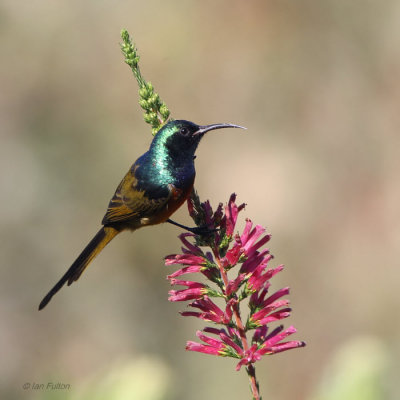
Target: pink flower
<point x="249" y="237"/>
<point x="270" y="346"/>
<point x="195" y="290"/>
<point x="225" y="346"/>
<point x="233" y="255"/>
<point x="266" y="315"/>
<point x="191" y="248"/>
<point x="254" y="261"/>
<point x="234" y="284"/>
<point x="258" y="299"/>
<point x="212" y="346"/>
<point x="185" y="259"/>
<point x="211" y="312"/>
<point x="258" y="279"/>
<point x="186" y="270"/>
<point x="231" y="214"/>
<point x="202" y="348"/>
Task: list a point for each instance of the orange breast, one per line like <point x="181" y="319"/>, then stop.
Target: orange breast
<point x="178" y="197"/>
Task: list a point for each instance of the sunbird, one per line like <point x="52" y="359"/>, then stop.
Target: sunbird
<point x="156" y="185"/>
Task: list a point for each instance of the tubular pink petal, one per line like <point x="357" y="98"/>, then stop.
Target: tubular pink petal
<point x="201" y="348"/>
<point x="268" y="309"/>
<point x="184" y="259"/>
<point x="280" y="336"/>
<point x="252" y="249"/>
<point x="260" y="334"/>
<point x="276" y="316"/>
<point x="211" y="311"/>
<point x="191" y="314"/>
<point x="227" y="340"/>
<point x="231" y="213"/>
<point x="274" y="332"/>
<point x="278" y="294"/>
<point x="209" y="340"/>
<point x="228" y="314"/>
<point x="232" y="256"/>
<point x="242" y="362"/>
<point x="186" y="294"/>
<point x="233" y="285"/>
<point x="189" y="284"/>
<point x="191" y="247"/>
<point x="282" y="347"/>
<point x="246" y="231"/>
<point x="186" y="270"/>
<point x="253" y="236"/>
<point x="215" y="331"/>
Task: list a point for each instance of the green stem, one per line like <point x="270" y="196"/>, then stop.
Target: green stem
<point x="251" y="371"/>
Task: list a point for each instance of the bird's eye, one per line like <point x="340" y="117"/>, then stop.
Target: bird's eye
<point x="184" y="131"/>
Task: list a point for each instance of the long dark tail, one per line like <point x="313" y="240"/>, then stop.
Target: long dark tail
<point x="103" y="236"/>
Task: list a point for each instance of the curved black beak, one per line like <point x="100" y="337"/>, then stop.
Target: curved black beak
<point x="205" y="128"/>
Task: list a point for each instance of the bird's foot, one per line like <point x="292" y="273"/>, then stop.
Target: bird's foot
<point x="203" y="230"/>
<point x="198" y="230"/>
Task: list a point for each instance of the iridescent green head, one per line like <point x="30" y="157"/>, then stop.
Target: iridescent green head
<point x="181" y="138"/>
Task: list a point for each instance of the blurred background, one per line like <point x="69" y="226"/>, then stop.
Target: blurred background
<point x="317" y="85"/>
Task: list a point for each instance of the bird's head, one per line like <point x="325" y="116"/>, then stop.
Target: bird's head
<point x="181" y="138"/>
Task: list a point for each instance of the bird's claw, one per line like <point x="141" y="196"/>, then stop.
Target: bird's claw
<point x="203" y="230"/>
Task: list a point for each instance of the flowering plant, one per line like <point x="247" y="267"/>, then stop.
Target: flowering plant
<point x="230" y="334"/>
<point x="227" y="251"/>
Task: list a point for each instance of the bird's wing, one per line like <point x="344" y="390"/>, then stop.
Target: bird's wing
<point x="129" y="203"/>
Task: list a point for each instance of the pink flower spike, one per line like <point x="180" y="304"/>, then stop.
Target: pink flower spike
<point x="234" y="269"/>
